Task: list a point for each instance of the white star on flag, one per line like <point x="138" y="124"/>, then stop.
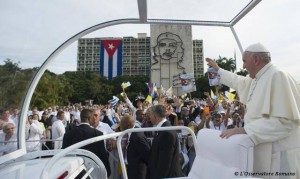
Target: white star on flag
<point x="111" y="46"/>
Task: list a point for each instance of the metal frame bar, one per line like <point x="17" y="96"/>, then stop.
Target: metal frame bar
<point x="237" y="40"/>
<point x="142" y="6"/>
<point x="244" y="12"/>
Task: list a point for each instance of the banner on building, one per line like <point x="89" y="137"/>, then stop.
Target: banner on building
<point x="111" y="58"/>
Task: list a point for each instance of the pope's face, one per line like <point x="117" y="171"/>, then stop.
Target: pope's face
<point x="249" y="64"/>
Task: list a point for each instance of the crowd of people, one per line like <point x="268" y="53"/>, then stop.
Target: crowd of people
<point x="48" y="128"/>
<point x="270" y="119"/>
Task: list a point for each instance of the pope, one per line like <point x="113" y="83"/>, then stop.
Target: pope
<point x="272" y="99"/>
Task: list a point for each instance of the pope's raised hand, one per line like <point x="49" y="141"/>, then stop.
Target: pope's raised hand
<point x="213" y="64"/>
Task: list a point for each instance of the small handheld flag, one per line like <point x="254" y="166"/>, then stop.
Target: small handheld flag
<point x="149" y="99"/>
<point x="125" y="85"/>
<point x="113" y="101"/>
<point x="152" y="89"/>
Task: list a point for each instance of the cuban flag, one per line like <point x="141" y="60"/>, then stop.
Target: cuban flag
<point x="152" y="89"/>
<point x="111" y="58"/>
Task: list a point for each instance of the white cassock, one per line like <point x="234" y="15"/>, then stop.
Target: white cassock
<point x="272" y="118"/>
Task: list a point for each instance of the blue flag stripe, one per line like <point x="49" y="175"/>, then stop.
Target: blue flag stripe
<point x="101" y="59"/>
<point x="119" y="60"/>
<point x="110" y="68"/>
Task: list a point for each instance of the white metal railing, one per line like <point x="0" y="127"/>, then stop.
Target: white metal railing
<point x="119" y="136"/>
<point x="119" y="146"/>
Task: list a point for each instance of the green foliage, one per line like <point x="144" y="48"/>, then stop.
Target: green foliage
<point x="227" y="64"/>
<point x="202" y="86"/>
<point x="14" y="83"/>
<point x="77" y="87"/>
<point x="88" y="85"/>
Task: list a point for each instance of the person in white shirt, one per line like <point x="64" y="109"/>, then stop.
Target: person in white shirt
<point x="110" y="144"/>
<point x="8" y="139"/>
<point x="15" y="116"/>
<point x="67" y="119"/>
<point x="101" y="126"/>
<point x="76" y="115"/>
<point x="33" y="134"/>
<point x="6" y="117"/>
<point x="272" y="115"/>
<point x="58" y="129"/>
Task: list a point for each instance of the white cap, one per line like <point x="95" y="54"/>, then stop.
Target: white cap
<point x="258" y="47"/>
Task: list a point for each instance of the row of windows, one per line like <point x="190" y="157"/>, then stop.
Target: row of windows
<point x="87" y="69"/>
<point x="135" y="47"/>
<point x="88" y="62"/>
<point x="125" y="39"/>
<point x="135" y="69"/>
<point x="88" y="58"/>
<point x="136" y="74"/>
<point x="83" y="47"/>
<point x="88" y="54"/>
<point x="144" y="66"/>
<point x="147" y="60"/>
<point x="199" y="50"/>
<point x="195" y="69"/>
<point x="82" y="52"/>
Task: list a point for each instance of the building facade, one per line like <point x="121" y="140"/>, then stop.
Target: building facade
<point x="198" y="58"/>
<point x="88" y="56"/>
<point x="136" y="55"/>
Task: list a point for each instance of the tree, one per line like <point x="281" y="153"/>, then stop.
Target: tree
<point x="138" y="85"/>
<point x="202" y="86"/>
<point x="227" y="64"/>
<point x="51" y="90"/>
<point x="88" y="85"/>
<point x="14" y="82"/>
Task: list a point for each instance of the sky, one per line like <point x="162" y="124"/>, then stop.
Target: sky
<point x="31" y="31"/>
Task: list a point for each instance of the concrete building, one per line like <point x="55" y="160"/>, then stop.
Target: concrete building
<point x="198" y="58"/>
<point x="88" y="56"/>
<point x="136" y="55"/>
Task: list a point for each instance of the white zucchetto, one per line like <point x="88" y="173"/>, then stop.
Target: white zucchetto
<point x="258" y="47"/>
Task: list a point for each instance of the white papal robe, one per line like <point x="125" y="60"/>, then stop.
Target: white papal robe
<point x="272" y="118"/>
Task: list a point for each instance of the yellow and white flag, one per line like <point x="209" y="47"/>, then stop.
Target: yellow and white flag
<point x="125" y="85"/>
<point x="229" y="95"/>
<point x="212" y="95"/>
<point x="149" y="99"/>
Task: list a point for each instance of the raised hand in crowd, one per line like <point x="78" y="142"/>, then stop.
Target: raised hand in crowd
<point x="205" y="120"/>
<point x="177" y="102"/>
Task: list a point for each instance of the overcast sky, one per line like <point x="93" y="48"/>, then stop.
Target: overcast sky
<point x="31" y="30"/>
